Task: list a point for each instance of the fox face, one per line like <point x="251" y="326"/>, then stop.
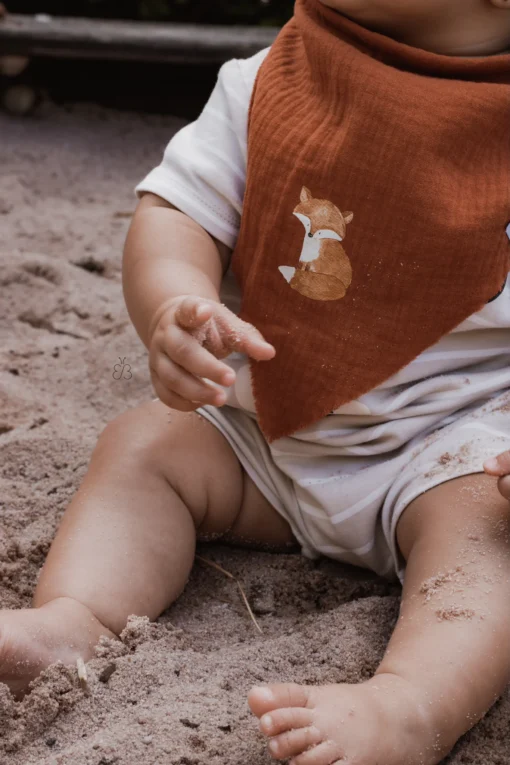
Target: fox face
<point x="321" y="219"/>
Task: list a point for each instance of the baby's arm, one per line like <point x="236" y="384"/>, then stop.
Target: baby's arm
<point x="172" y="272"/>
<point x="167" y="255"/>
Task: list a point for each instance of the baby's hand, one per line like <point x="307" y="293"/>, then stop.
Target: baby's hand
<point x="189" y="338"/>
<point x="500" y="467"/>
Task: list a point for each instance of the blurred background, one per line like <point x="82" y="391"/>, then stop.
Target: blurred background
<point x="270" y="12"/>
<point x="177" y="89"/>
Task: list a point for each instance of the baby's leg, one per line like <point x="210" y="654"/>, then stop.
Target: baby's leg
<point x="127" y="542"/>
<point x="448" y="659"/>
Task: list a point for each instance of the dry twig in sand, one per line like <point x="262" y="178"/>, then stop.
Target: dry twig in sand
<point x="82" y="674"/>
<point x="231" y="576"/>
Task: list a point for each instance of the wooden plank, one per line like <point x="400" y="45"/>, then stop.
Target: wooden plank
<point x="129" y="40"/>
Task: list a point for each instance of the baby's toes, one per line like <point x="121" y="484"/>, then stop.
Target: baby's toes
<point x="278" y="696"/>
<point x="282" y="720"/>
<point x="326" y="753"/>
<point x="294" y="742"/>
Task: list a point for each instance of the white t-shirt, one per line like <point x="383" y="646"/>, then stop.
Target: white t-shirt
<point x="203" y="173"/>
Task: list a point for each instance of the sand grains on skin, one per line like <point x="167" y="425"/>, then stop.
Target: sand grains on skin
<point x="449" y="582"/>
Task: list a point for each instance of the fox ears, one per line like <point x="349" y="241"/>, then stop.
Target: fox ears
<point x="306" y="196"/>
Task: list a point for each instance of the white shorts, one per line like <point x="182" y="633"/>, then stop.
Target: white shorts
<point x="349" y="510"/>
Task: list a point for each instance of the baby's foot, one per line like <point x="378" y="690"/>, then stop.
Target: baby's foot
<point x="380" y="721"/>
<point x="32" y="639"/>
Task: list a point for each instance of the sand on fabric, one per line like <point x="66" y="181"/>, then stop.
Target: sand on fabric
<point x="174" y="692"/>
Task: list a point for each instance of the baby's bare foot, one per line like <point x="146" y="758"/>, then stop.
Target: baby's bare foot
<point x="32" y="639"/>
<point x="380" y="721"/>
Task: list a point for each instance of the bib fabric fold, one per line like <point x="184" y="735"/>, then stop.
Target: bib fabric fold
<point x="375" y="212"/>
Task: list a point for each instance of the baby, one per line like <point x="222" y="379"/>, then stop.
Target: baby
<point x="344" y="391"/>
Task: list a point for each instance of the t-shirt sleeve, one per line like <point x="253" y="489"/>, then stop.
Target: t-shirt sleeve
<point x="203" y="171"/>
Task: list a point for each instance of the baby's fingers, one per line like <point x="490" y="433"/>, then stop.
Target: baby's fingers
<point x="179" y="382"/>
<point x="253" y="344"/>
<point x="504" y="487"/>
<point x="185" y="351"/>
<point x="193" y="312"/>
<point x="498" y="466"/>
<point x="220" y="331"/>
<point x="245" y="338"/>
<point x="172" y="400"/>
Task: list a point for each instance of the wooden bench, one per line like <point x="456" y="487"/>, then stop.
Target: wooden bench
<point x="33" y="36"/>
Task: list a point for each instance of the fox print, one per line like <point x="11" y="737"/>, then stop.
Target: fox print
<point x="324" y="271"/>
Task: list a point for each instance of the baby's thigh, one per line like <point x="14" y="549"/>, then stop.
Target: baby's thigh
<point x="198" y="464"/>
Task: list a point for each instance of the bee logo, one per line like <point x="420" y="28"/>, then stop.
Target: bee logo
<point x="122" y="371"/>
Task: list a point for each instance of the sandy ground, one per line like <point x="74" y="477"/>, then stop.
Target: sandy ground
<point x="173" y="692"/>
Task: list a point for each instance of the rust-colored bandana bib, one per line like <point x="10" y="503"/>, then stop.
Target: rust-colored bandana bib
<point x="375" y="214"/>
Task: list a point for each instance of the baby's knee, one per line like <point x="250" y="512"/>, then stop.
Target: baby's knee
<point x="136" y="434"/>
<point x="462" y="509"/>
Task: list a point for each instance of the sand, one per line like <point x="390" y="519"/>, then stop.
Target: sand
<point x="174" y="692"/>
